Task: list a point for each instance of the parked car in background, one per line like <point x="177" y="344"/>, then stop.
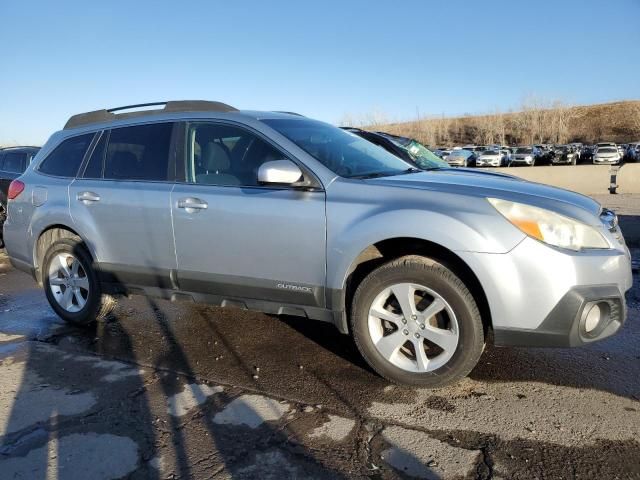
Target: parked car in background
<point x="283" y="214"/>
<point x="13" y="162"/>
<point x="490" y="158"/>
<point x="607" y="155"/>
<point x="506" y="156"/>
<point x="586" y="153"/>
<point x="442" y="153"/>
<point x="563" y="154"/>
<point x="405" y="148"/>
<point x="628" y="152"/>
<point x="604" y="145"/>
<point x="462" y="158"/>
<point x="526" y="156"/>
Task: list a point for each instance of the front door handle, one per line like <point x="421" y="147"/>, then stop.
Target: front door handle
<point x="192" y="205"/>
<point x="88" y="197"/>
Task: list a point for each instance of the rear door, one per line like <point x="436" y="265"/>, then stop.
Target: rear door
<point x="236" y="238"/>
<point x="121" y="204"/>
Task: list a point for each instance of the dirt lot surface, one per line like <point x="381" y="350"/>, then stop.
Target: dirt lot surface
<point x="173" y="390"/>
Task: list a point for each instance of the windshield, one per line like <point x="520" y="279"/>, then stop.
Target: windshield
<point x="421" y="155"/>
<point x="607" y="150"/>
<point x="344" y="153"/>
<point x="489" y="152"/>
<point x="524" y="150"/>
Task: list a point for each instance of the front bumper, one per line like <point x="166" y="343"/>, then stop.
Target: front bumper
<point x="538" y="294"/>
<point x="487" y="163"/>
<point x="566" y="324"/>
<point x="522" y="160"/>
<point x="456" y="163"/>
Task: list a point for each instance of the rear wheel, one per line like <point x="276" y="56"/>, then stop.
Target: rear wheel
<point x="71" y="284"/>
<point x="416" y="323"/>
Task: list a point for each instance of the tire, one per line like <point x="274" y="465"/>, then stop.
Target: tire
<point x="458" y="318"/>
<point x="94" y="305"/>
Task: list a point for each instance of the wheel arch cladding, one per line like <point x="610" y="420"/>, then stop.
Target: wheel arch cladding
<point x="389" y="249"/>
<point x="48" y="237"/>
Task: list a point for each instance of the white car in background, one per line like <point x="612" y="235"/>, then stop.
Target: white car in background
<point x="489" y="158"/>
<point x="607" y="155"/>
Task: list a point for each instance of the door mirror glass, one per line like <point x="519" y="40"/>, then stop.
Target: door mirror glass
<point x="279" y="172"/>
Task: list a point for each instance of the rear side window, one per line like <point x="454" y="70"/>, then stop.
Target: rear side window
<point x="65" y="160"/>
<point x="138" y="153"/>
<point x="14" y="162"/>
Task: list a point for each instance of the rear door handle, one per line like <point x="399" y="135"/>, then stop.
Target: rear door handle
<point x="192" y="204"/>
<point x="88" y="197"/>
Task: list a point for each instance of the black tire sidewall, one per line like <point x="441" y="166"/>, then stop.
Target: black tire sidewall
<point x="442" y="281"/>
<point x="88" y="312"/>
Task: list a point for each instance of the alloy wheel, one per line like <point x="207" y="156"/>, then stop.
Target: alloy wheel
<point x="413" y="327"/>
<point x="68" y="282"/>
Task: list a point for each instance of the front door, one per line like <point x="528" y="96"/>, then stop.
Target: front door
<point x="236" y="238"/>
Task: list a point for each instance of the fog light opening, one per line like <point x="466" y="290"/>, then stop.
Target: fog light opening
<point x="595" y="318"/>
<point x="592" y="319"/>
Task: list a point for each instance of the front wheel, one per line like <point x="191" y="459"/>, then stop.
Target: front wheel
<point x="416" y="323"/>
<point x="71" y="284"/>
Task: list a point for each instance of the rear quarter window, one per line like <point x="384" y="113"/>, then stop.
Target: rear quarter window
<point x="65" y="160"/>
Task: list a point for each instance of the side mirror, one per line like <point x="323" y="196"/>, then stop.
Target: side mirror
<point x="279" y="172"/>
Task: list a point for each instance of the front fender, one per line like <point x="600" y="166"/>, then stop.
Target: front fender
<point x="455" y="222"/>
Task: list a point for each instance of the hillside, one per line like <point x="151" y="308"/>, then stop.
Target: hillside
<point x="534" y="123"/>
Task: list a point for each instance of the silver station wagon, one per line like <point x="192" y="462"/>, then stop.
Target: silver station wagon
<point x="279" y="213"/>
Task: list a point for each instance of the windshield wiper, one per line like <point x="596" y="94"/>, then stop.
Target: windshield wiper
<point x="411" y="170"/>
<point x="374" y="175"/>
<point x="387" y="174"/>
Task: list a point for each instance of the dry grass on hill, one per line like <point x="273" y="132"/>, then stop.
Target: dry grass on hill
<point x="536" y="122"/>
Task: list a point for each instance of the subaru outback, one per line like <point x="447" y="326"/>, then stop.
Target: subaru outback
<point x="282" y="214"/>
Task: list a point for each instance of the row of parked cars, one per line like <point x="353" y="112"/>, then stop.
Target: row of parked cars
<point x="542" y="154"/>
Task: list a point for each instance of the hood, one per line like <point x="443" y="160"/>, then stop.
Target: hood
<point x="476" y="183"/>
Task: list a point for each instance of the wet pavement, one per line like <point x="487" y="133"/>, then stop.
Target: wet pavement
<point x="177" y="390"/>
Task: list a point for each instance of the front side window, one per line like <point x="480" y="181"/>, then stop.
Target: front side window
<point x="15" y="162"/>
<point x="342" y="152"/>
<point x="65" y="160"/>
<point x="140" y="152"/>
<point x="95" y="165"/>
<point x="226" y="155"/>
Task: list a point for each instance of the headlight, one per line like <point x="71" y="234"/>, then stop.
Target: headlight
<point x="528" y="157"/>
<point x="550" y="227"/>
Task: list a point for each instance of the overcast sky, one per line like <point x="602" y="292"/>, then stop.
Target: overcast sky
<point x="323" y="59"/>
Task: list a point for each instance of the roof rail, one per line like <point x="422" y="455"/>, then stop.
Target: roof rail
<point x="98" y="116"/>
<point x="289" y="113"/>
